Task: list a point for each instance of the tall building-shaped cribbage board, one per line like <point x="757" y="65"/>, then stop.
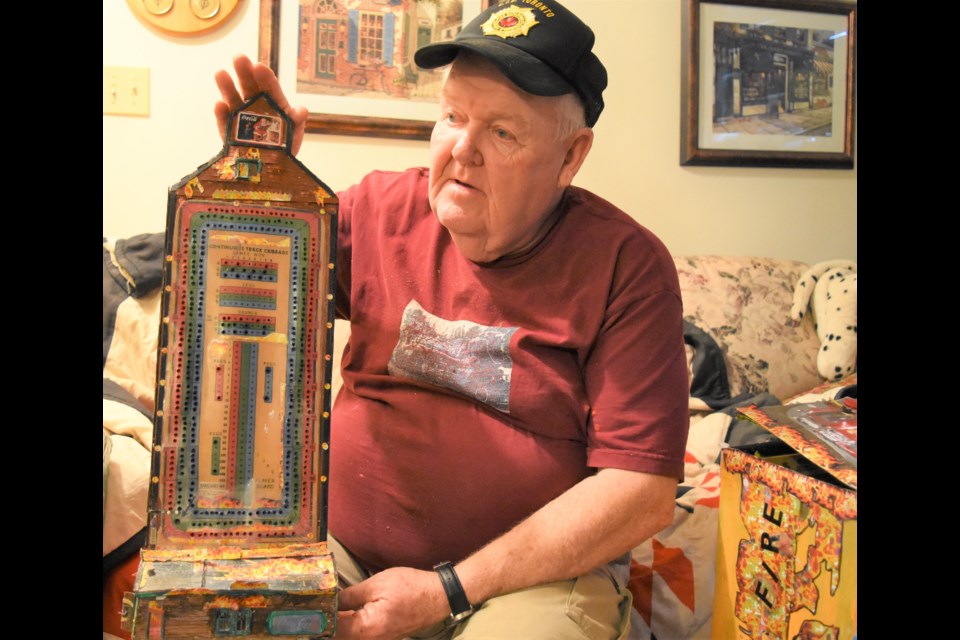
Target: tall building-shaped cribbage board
<point x="237" y="509"/>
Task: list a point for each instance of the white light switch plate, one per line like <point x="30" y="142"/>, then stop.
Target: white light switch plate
<point x="126" y="91"/>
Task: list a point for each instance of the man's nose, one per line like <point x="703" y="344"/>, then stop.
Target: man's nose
<point x="465" y="150"/>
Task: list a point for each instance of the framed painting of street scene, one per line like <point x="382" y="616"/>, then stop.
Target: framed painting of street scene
<point x="768" y="83"/>
<point x="350" y="62"/>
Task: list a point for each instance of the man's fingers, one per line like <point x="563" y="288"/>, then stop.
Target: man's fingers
<point x="358" y="625"/>
<point x="254" y="78"/>
<point x="249" y="84"/>
<point x="352" y="598"/>
<point x="348" y="625"/>
<point x="228" y="90"/>
<point x="299" y="117"/>
<point x="267" y="81"/>
<point x="353" y="622"/>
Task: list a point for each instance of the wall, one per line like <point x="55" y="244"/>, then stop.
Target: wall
<point x="801" y="214"/>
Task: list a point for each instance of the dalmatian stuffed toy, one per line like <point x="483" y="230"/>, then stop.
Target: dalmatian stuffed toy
<point x="830" y="290"/>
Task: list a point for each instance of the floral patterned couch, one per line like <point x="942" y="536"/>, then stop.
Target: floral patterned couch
<point x="742" y="303"/>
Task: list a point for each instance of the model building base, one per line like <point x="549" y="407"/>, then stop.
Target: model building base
<point x="230" y="592"/>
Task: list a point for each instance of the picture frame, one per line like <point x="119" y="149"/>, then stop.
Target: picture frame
<point x="339" y="114"/>
<point x="768" y="83"/>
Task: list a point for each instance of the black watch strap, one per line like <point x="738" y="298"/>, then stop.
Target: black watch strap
<point x="460" y="607"/>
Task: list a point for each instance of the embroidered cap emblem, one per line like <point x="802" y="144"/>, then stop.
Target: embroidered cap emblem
<point x="510" y="22"/>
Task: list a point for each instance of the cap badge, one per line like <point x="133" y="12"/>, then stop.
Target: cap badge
<point x="510" y="22"/>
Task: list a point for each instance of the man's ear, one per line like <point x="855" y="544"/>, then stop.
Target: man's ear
<point x="577" y="149"/>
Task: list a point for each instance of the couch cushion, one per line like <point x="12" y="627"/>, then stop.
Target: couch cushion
<point x="744" y="304"/>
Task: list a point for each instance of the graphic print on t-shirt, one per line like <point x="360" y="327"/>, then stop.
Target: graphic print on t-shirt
<point x="464" y="356"/>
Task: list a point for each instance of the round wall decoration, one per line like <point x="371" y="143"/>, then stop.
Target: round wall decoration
<point x="184" y="17"/>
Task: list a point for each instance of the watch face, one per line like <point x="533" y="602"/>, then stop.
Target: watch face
<point x="205" y="8"/>
<point x="158" y="7"/>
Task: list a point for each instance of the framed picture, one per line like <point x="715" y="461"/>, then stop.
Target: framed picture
<point x="350" y="62"/>
<point x="768" y="83"/>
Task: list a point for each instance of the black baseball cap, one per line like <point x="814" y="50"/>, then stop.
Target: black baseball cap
<point x="538" y="44"/>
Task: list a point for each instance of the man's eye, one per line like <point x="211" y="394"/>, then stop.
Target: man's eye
<point x="503" y="134"/>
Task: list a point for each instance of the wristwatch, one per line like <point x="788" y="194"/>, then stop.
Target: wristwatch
<point x="460" y="607"/>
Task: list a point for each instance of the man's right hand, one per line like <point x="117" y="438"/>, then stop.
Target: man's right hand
<point x="391" y="604"/>
<point x="254" y="78"/>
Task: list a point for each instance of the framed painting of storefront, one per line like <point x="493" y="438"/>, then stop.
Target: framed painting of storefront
<point x="768" y="83"/>
<point x="350" y="62"/>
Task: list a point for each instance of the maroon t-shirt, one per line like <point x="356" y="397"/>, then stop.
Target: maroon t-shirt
<point x="475" y="394"/>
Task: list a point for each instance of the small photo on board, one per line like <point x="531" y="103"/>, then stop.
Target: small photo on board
<point x="259" y="128"/>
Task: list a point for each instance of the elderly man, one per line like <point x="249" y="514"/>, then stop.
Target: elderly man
<point x="514" y="408"/>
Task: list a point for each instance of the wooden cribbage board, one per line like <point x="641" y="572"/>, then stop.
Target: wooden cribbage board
<point x="237" y="509"/>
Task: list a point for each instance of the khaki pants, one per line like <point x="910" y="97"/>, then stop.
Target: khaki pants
<point x="595" y="606"/>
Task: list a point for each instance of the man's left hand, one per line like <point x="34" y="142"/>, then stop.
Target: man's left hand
<point x="254" y="78"/>
<point x="391" y="605"/>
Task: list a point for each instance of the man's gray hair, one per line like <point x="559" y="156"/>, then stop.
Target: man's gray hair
<point x="571" y="116"/>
